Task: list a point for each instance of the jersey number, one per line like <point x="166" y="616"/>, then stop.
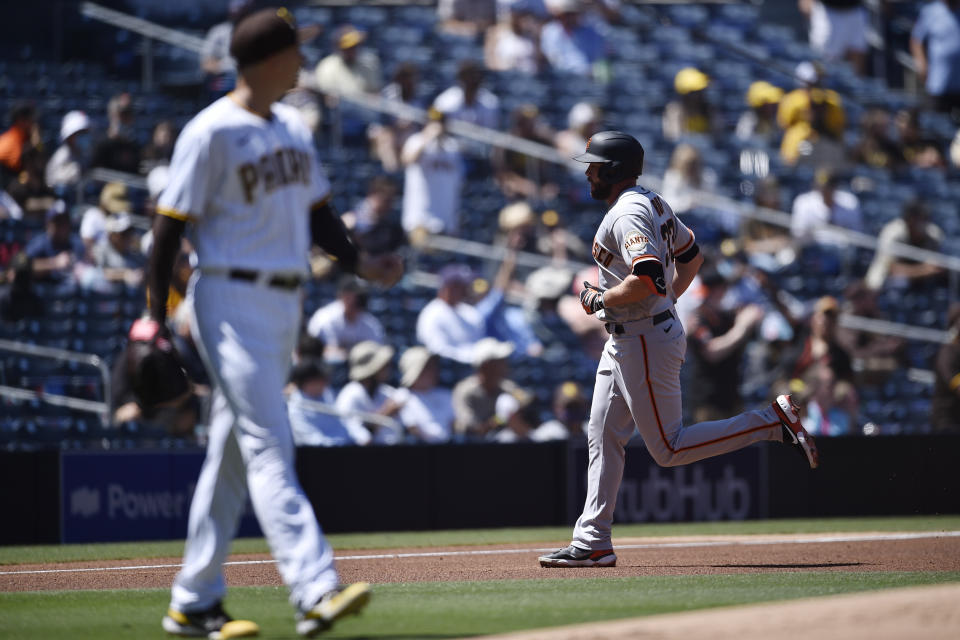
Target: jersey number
<point x="668" y="233"/>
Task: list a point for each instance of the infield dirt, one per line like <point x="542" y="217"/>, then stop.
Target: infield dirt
<point x="924" y="612"/>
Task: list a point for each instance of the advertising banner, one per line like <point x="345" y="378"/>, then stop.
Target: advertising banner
<point x="114" y="496"/>
<point x="727" y="487"/>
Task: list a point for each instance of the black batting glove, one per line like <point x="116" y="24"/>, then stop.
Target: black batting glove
<point x="591" y="298"/>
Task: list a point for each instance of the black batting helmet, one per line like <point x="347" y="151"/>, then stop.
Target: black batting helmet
<point x="620" y="153"/>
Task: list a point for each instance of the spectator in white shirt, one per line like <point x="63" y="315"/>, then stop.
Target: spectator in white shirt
<point x="449" y="325"/>
<point x="349" y="69"/>
<point x="114" y="199"/>
<point x="345" y="322"/>
<point x="367" y="392"/>
<point x="427" y="412"/>
<point x="66" y="165"/>
<point x="825" y="204"/>
<point x="312" y="426"/>
<point x="432" y="179"/>
<point x="510" y="45"/>
<point x="468" y="100"/>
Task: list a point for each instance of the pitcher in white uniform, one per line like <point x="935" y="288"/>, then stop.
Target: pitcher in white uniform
<point x="247" y="186"/>
<point x="647" y="257"/>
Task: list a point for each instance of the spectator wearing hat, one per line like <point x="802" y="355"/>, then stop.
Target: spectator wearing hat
<point x="118" y="254"/>
<point x="427" y="411"/>
<point x="119" y="150"/>
<point x="368" y="393"/>
<point x="825" y="204"/>
<point x="819" y="346"/>
<point x="311" y="425"/>
<point x="571" y="44"/>
<point x="475" y="397"/>
<point x="55" y="252"/>
<point x="813" y="120"/>
<point x="345" y="322"/>
<point x="838" y="30"/>
<point x="759" y="121"/>
<point x="570" y="413"/>
<point x="70" y="160"/>
<point x="114" y="199"/>
<point x="449" y="325"/>
<point x="432" y="179"/>
<point x="371" y="222"/>
<point x="583" y="121"/>
<point x="350" y="68"/>
<point x="511" y="44"/>
<point x="945" y="406"/>
<point x="691" y="111"/>
<point x="23" y="134"/>
<point x="468" y="100"/>
<point x="518" y="175"/>
<point x="935" y="47"/>
<point x="544" y="289"/>
<point x="912" y="228"/>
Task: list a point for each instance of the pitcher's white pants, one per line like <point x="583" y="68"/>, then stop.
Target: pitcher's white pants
<point x="246" y="334"/>
<point x="638" y="386"/>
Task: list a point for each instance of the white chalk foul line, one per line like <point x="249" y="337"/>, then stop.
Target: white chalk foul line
<point x="877" y="537"/>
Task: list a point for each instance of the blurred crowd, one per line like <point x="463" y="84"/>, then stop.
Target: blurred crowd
<point x="749" y="335"/>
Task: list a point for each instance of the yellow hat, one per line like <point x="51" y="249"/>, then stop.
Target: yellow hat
<point x="762" y="92"/>
<point x="689" y="80"/>
<point x="349" y="36"/>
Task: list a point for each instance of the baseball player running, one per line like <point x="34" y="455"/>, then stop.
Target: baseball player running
<point x="246" y="184"/>
<point x="647" y="257"/>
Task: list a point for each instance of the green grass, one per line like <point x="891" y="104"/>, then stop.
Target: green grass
<point x="440" y="610"/>
<point x="354" y="541"/>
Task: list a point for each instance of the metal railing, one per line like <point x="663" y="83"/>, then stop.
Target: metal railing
<point x="104" y="408"/>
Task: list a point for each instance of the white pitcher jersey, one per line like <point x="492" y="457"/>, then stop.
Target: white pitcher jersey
<point x="639" y="227"/>
<point x="247" y="185"/>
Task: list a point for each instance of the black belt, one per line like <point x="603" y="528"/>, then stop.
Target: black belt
<point x="614" y="328"/>
<point x="288" y="282"/>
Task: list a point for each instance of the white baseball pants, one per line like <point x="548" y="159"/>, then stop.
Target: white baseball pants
<point x="246" y="334"/>
<point x="638" y="386"/>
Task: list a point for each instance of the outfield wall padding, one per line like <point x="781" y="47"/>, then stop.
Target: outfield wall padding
<point x="53" y="496"/>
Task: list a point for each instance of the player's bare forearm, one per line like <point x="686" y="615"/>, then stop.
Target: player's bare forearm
<point x="632" y="289"/>
<point x="167" y="232"/>
<point x="686" y="271"/>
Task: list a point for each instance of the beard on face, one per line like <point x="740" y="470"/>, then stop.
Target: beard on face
<point x="600" y="190"/>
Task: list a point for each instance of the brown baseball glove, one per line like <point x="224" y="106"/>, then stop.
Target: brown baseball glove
<point x="156" y="374"/>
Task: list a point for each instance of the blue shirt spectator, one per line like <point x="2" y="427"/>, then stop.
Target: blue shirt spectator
<point x="935" y="44"/>
<point x="569" y="44"/>
<point x="56" y="250"/>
